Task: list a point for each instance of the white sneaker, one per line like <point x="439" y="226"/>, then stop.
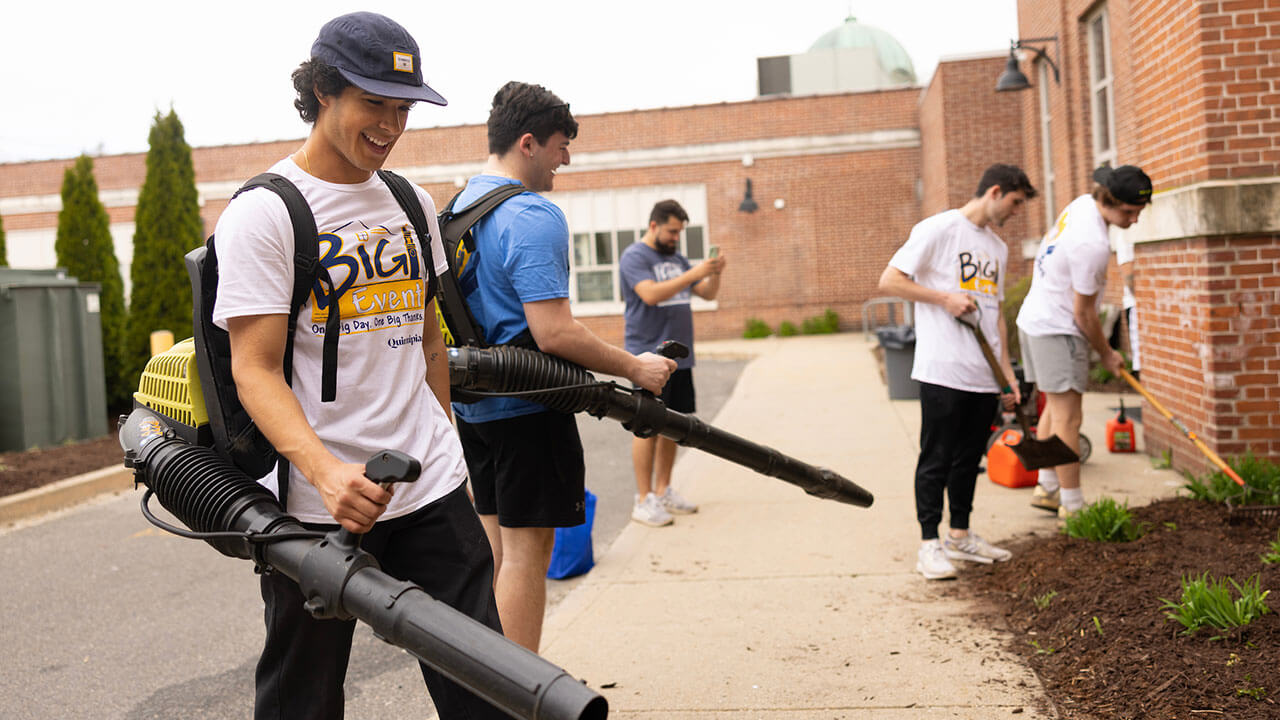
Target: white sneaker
<point x="932" y="562"/>
<point x="649" y="511"/>
<point x="675" y="503"/>
<point x="973" y="548"/>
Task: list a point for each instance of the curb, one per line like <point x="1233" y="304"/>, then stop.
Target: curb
<point x="64" y="493"/>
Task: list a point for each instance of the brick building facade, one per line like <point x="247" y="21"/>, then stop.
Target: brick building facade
<point x="1190" y="91"/>
<point x="838" y="179"/>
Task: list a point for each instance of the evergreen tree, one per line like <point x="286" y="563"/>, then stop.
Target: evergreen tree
<point x="4" y="253"/>
<point x="85" y="248"/>
<point x="168" y="226"/>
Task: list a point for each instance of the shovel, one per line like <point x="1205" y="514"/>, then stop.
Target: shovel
<point x="1032" y="452"/>
<point x="1213" y="456"/>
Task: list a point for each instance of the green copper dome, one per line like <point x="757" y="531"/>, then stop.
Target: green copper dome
<point x="851" y="34"/>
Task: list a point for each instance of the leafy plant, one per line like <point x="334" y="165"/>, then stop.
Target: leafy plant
<point x="1097" y="624"/>
<point x="1045" y="650"/>
<point x="1013" y="297"/>
<point x="1257" y="693"/>
<point x="1164" y="462"/>
<point x="787" y="328"/>
<point x="1101" y="375"/>
<point x="757" y="328"/>
<point x="1274" y="556"/>
<point x="1105" y="521"/>
<point x="1261" y="478"/>
<point x="1207" y="601"/>
<point x="824" y="324"/>
<point x="1042" y="601"/>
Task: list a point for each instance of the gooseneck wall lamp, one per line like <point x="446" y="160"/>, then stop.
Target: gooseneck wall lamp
<point x="1012" y="78"/>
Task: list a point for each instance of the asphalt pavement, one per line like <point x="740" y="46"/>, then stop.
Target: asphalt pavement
<point x="107" y="617"/>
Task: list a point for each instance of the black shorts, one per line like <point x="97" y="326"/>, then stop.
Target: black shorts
<point x="678" y="394"/>
<point x="527" y="470"/>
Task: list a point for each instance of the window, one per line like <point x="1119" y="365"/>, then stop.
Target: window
<point x="1101" y="97"/>
<point x="1046" y="145"/>
<point x="603" y="223"/>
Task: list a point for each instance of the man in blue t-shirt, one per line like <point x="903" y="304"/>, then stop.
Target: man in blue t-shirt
<point x="657" y="282"/>
<point x="525" y="460"/>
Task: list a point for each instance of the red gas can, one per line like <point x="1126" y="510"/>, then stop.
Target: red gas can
<point x="1120" y="433"/>
<point x="1004" y="467"/>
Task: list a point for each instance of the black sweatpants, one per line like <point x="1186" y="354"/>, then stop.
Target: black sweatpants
<point x="443" y="549"/>
<point x="954" y="427"/>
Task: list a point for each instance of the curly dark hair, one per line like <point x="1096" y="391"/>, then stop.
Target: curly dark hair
<point x="311" y="77"/>
<point x="520" y="108"/>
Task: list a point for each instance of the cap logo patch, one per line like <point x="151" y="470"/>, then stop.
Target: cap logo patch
<point x="403" y="62"/>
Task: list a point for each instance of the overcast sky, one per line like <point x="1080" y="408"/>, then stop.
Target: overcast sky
<point x="89" y="76"/>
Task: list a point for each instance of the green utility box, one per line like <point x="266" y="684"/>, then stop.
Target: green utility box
<point x="52" y="382"/>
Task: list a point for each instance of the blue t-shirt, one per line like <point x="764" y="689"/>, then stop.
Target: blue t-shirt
<point x="648" y="326"/>
<point x="521" y="255"/>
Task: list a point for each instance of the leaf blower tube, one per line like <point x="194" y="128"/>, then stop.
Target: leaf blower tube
<point x="561" y="385"/>
<point x="242" y="519"/>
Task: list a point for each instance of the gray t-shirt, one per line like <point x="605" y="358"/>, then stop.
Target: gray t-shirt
<point x="648" y="326"/>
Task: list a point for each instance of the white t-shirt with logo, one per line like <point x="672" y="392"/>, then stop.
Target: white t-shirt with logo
<point x="374" y="258"/>
<point x="1124" y="254"/>
<point x="947" y="252"/>
<point x="1072" y="259"/>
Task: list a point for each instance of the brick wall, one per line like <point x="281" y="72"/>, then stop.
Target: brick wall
<point x="1214" y="306"/>
<point x="844" y="214"/>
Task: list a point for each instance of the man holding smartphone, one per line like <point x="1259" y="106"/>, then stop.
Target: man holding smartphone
<point x="657" y="283"/>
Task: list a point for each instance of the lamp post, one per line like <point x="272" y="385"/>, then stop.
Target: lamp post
<point x="1012" y="78"/>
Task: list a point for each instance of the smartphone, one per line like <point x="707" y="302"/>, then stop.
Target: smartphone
<point x="714" y="252"/>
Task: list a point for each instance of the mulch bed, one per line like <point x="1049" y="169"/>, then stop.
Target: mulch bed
<point x="24" y="470"/>
<point x="1103" y="647"/>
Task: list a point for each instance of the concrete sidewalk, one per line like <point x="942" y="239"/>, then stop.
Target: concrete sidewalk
<point x="772" y="604"/>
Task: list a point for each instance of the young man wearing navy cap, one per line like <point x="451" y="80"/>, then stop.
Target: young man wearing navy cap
<point x="1058" y="323"/>
<point x="356" y="90"/>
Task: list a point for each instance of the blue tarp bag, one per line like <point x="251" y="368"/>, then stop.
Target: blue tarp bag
<point x="571" y="555"/>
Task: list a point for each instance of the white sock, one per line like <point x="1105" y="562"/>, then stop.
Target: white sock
<point x="1048" y="479"/>
<point x="1072" y="498"/>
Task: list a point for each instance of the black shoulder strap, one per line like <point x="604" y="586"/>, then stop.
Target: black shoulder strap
<point x="408" y="200"/>
<point x="460" y="223"/>
<point x="307" y="270"/>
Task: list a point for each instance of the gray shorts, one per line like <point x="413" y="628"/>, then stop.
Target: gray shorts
<point x="1055" y="363"/>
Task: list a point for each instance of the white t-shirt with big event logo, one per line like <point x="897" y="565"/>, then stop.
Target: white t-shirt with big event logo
<point x="1072" y="259"/>
<point x="374" y="257"/>
<point x="947" y="252"/>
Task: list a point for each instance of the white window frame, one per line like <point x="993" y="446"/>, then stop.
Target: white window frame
<point x="1046" y="145"/>
<point x="1101" y="81"/>
<point x="617" y="210"/>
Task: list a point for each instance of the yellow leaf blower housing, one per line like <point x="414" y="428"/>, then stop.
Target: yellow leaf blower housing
<point x="170" y="386"/>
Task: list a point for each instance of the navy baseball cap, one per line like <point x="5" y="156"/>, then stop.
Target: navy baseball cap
<point x="377" y="55"/>
<point x="1127" y="183"/>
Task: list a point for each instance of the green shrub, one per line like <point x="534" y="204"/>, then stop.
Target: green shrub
<point x="1273" y="557"/>
<point x="756" y="328"/>
<point x="824" y="324"/>
<point x="1208" y="601"/>
<point x="1013" y="297"/>
<point x="1261" y="477"/>
<point x="787" y="329"/>
<point x="1105" y="521"/>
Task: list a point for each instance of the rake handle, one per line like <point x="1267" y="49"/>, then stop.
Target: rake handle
<point x="1195" y="440"/>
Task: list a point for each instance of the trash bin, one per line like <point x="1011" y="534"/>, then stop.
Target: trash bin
<point x="899" y="345"/>
<point x="52" y="381"/>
